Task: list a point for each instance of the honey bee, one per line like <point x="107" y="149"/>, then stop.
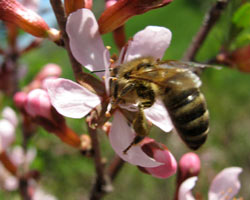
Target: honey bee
<point x="141" y="81"/>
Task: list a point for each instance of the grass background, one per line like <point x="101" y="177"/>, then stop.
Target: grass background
<point x="68" y="175"/>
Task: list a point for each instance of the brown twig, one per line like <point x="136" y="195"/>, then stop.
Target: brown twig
<point x="85" y="79"/>
<point x="115" y="166"/>
<point x="210" y="20"/>
<point x="101" y="185"/>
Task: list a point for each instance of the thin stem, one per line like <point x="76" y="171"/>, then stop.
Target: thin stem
<point x="115" y="167"/>
<point x="8" y="164"/>
<point x="210" y="20"/>
<point x="100" y="182"/>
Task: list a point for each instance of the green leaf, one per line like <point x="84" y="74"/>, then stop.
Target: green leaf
<point x="242" y="16"/>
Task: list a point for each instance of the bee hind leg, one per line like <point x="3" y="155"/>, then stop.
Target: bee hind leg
<point x="140" y="127"/>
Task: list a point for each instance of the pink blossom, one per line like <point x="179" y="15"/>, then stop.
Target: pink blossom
<point x="7" y="128"/>
<point x="161" y="154"/>
<point x="20" y="159"/>
<point x="223" y="187"/>
<point x="73" y="100"/>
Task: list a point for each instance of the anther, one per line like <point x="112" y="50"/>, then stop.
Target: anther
<point x="108" y="47"/>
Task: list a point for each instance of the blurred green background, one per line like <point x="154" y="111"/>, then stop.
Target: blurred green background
<point x="68" y="175"/>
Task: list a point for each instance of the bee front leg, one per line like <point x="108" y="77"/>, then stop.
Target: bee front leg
<point x="140" y="127"/>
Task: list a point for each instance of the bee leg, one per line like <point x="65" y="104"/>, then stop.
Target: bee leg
<point x="140" y="127"/>
<point x="136" y="140"/>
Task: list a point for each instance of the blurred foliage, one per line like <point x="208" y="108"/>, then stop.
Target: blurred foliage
<point x="68" y="175"/>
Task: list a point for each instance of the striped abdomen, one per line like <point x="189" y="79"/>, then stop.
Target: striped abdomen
<point x="189" y="114"/>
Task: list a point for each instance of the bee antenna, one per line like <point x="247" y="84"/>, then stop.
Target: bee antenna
<point x="96" y="71"/>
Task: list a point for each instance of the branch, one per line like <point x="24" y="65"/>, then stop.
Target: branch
<point x="210" y="20"/>
<point x="85" y="79"/>
<point x="101" y="185"/>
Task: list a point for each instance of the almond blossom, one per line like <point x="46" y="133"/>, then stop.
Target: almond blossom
<point x="73" y="100"/>
<point x="223" y="187"/>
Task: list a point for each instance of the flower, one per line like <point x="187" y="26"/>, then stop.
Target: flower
<point x="223" y="187"/>
<point x="7" y="128"/>
<point x="20" y="159"/>
<point x="73" y="100"/>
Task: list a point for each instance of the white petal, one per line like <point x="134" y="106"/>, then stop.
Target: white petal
<point x="17" y="155"/>
<point x="71" y="99"/>
<point x="152" y="41"/>
<point x="85" y="40"/>
<point x="9" y="114"/>
<point x="159" y="116"/>
<point x="120" y="136"/>
<point x="11" y="183"/>
<point x="7" y="134"/>
<point x="185" y="189"/>
<point x="226" y="184"/>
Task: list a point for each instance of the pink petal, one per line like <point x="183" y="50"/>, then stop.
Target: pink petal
<point x="185" y="189"/>
<point x="120" y="136"/>
<point x="71" y="99"/>
<point x="9" y="114"/>
<point x="158" y="115"/>
<point x="85" y="40"/>
<point x="170" y="165"/>
<point x="17" y="155"/>
<point x="226" y="184"/>
<point x="152" y="41"/>
<point x="11" y="183"/>
<point x="7" y="134"/>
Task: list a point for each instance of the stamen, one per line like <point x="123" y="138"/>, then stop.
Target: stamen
<point x="108" y="47"/>
<point x="108" y="114"/>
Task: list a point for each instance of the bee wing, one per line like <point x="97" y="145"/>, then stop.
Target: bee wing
<point x="164" y="75"/>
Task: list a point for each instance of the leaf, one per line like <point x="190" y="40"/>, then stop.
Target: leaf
<point x="242" y="16"/>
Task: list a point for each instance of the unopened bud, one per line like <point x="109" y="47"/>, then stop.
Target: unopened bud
<point x="14" y="12"/>
<point x="74" y="5"/>
<point x="20" y="99"/>
<point x="117" y="14"/>
<point x="49" y="70"/>
<point x="38" y="104"/>
<point x="161" y="154"/>
<point x="240" y="58"/>
<point x="189" y="165"/>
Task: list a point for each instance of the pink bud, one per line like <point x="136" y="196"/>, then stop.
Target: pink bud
<point x="20" y="99"/>
<point x="160" y="153"/>
<point x="38" y="104"/>
<point x="189" y="165"/>
<point x="49" y="70"/>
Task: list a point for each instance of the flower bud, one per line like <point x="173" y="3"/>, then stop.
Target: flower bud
<point x="20" y="99"/>
<point x="189" y="165"/>
<point x="161" y="154"/>
<point x="14" y="12"/>
<point x="116" y="15"/>
<point x="38" y="104"/>
<point x="49" y="70"/>
<point x="73" y="5"/>
<point x="240" y="58"/>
